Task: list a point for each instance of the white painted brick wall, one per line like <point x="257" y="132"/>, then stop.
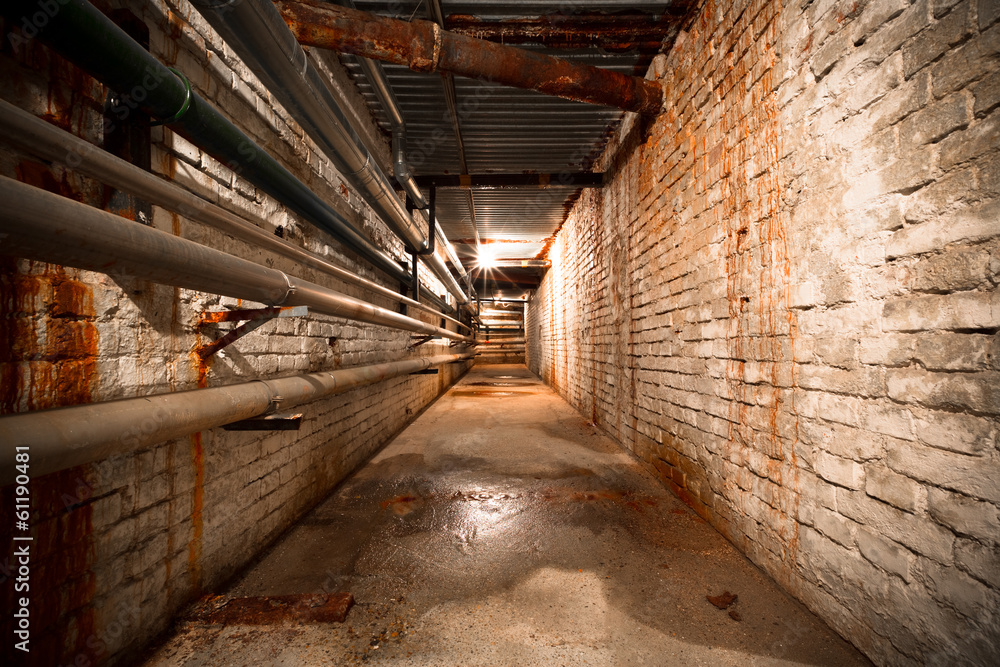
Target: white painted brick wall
<point x="786" y="302"/>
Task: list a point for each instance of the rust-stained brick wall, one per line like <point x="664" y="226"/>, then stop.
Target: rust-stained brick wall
<point x="122" y="543"/>
<point x="786" y="303"/>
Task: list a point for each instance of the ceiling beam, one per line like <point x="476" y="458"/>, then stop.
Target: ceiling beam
<point x="612" y="32"/>
<point x="583" y="179"/>
<point x="424" y="46"/>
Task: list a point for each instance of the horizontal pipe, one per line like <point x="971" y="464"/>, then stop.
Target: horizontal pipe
<point x="43" y="226"/>
<point x="66" y="437"/>
<point x="424" y="47"/>
<point x="256" y="32"/>
<point x="48" y="142"/>
<point x="259" y="36"/>
<point x="87" y="38"/>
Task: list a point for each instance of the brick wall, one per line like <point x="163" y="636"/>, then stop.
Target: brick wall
<point x="786" y="303"/>
<point x="122" y="543"/>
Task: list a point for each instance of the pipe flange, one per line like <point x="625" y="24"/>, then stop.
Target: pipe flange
<point x="289" y="289"/>
<point x="184" y="106"/>
<point x="419" y="62"/>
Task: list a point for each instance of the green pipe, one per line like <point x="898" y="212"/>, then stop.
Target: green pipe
<point x="83" y="35"/>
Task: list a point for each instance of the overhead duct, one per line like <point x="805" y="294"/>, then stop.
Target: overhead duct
<point x="424" y="46"/>
<point x="257" y="33"/>
<point x="48" y="142"/>
<point x="67" y="437"/>
<point x="83" y="35"/>
<point x="40" y="225"/>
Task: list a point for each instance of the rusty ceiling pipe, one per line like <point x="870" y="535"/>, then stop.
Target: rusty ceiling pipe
<point x="424" y="46"/>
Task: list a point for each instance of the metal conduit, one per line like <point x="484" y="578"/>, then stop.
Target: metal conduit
<point x="260" y="37"/>
<point x="86" y="37"/>
<point x="43" y="226"/>
<point x="401" y="170"/>
<point x="66" y="437"/>
<point x="48" y="142"/>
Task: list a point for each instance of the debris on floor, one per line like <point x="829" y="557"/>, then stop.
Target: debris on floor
<point x="271" y="610"/>
<point x="722" y="601"/>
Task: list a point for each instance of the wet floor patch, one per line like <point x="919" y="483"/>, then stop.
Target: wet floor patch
<point x="513" y="533"/>
<point x="489" y="394"/>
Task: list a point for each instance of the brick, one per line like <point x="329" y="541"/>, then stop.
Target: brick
<point x="920" y="534"/>
<point x="965" y="516"/>
<point x="897" y="490"/>
<point x="973" y="476"/>
<point x="965" y="63"/>
<point x="887" y="350"/>
<point x="834" y="526"/>
<point x="988" y="12"/>
<point x="954" y="352"/>
<point x="963" y="391"/>
<point x="842" y="472"/>
<point x="935" y="40"/>
<point x="954" y="587"/>
<point x="979" y="138"/>
<point x="957" y="269"/>
<point x="967" y="310"/>
<point x="982" y="561"/>
<point x="942" y="197"/>
<point x="886" y="554"/>
<point x="955" y="432"/>
<point x="986" y="94"/>
<point x="975" y="223"/>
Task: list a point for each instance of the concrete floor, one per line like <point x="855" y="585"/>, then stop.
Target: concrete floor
<point x="501" y="528"/>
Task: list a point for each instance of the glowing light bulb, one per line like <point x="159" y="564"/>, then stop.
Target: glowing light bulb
<point x="487" y="258"/>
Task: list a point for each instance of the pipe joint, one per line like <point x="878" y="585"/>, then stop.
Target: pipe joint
<point x="420" y="60"/>
<point x="289" y="289"/>
<point x="185" y="105"/>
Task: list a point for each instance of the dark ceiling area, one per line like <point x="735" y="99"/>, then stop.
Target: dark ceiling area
<point x="457" y="125"/>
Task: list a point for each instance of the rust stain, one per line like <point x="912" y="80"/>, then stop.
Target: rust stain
<point x="197" y="507"/>
<point x="403" y="505"/>
<point x="272" y="610"/>
<point x="48" y="335"/>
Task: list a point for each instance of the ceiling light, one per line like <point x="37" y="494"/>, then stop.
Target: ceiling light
<point x="487" y="258"/>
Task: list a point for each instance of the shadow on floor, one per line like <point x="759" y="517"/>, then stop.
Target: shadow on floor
<point x="501" y="528"/>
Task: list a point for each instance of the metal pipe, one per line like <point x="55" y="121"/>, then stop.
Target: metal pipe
<point x="401" y="170"/>
<point x="257" y="33"/>
<point x="66" y="437"/>
<point x="83" y="35"/>
<point x="451" y="101"/>
<point x="425" y="47"/>
<point x="43" y="226"/>
<point x="48" y="142"/>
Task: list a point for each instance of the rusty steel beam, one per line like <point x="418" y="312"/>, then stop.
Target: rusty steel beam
<point x="424" y="46"/>
<point x="586" y="179"/>
<point x="614" y="32"/>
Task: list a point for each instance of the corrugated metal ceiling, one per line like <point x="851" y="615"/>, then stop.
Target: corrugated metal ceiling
<point x="504" y="130"/>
